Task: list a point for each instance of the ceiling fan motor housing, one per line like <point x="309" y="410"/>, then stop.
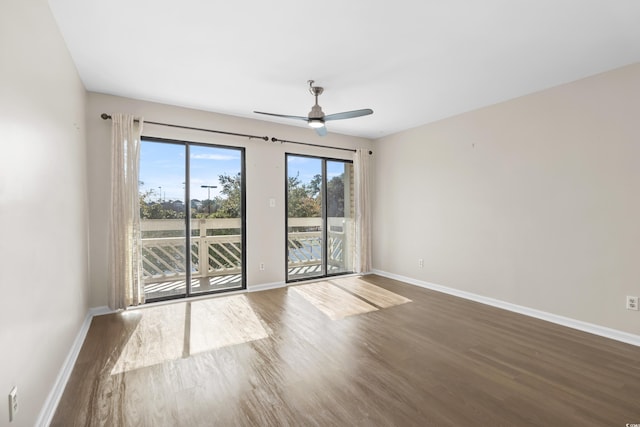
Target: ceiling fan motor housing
<point x="316" y="112"/>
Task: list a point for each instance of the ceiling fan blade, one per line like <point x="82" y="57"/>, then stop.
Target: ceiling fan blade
<point x="283" y="116"/>
<point x="348" y="114"/>
<point x="321" y="131"/>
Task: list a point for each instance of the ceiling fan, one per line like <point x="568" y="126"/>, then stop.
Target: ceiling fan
<point x="316" y="118"/>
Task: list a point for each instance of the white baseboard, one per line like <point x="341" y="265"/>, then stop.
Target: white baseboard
<point x="538" y="314"/>
<point x="99" y="311"/>
<point x="50" y="405"/>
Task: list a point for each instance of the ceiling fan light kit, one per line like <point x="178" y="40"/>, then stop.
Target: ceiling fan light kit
<point x="316" y="117"/>
<point x="316" y="123"/>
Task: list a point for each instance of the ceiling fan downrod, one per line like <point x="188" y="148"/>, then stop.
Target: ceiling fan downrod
<point x="316" y="115"/>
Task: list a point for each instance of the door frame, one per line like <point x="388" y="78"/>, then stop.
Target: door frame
<point x="187" y="194"/>
<point x="323" y="211"/>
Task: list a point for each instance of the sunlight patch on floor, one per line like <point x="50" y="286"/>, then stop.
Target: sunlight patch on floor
<point x="196" y="327"/>
<point x="345" y="298"/>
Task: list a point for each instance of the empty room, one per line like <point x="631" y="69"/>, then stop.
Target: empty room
<point x="320" y="214"/>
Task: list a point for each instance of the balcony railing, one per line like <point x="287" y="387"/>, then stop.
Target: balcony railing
<point x="304" y="242"/>
<point x="163" y="248"/>
<point x="216" y="249"/>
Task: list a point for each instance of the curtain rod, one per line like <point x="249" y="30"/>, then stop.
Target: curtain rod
<point x="105" y="116"/>
<point x="315" y="145"/>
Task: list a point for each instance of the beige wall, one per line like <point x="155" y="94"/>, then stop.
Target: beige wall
<point x="43" y="206"/>
<point x="264" y="174"/>
<point x="535" y="201"/>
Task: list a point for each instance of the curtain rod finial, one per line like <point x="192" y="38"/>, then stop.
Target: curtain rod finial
<point x="105" y="116"/>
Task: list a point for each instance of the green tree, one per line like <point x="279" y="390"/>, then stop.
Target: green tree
<point x="151" y="208"/>
<point x="229" y="203"/>
<point x="306" y="200"/>
<point x="205" y="208"/>
<point x="315" y="186"/>
<point x="301" y="200"/>
<point x="335" y="196"/>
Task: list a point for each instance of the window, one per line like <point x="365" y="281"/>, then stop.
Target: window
<point x="202" y="183"/>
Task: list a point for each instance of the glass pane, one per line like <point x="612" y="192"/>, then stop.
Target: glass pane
<point x="162" y="218"/>
<point x="340" y="224"/>
<point x="216" y="218"/>
<point x="304" y="218"/>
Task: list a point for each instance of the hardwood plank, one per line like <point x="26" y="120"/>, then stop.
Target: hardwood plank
<point x="174" y="331"/>
<point x="222" y="322"/>
<point x="370" y="293"/>
<point x="155" y="340"/>
<point x="439" y="360"/>
<point x="332" y="301"/>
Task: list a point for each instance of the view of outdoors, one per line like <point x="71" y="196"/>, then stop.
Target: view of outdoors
<point x="306" y="245"/>
<point x="204" y="183"/>
<point x="214" y="260"/>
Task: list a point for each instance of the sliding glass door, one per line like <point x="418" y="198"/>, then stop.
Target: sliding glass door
<point x="340" y="216"/>
<point x="192" y="218"/>
<point x="162" y="219"/>
<point x="320" y="225"/>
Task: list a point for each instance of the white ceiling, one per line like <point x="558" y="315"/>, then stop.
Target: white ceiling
<point x="411" y="61"/>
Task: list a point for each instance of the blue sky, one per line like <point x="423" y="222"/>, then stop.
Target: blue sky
<point x="308" y="167"/>
<point x="162" y="168"/>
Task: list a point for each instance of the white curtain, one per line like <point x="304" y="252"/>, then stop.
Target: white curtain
<point x="362" y="248"/>
<point x="126" y="286"/>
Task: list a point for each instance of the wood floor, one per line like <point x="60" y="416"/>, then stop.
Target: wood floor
<point x="414" y="357"/>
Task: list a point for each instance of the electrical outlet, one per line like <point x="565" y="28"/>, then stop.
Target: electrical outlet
<point x="262" y="266"/>
<point x="632" y="303"/>
<point x="13" y="403"/>
<point x="421" y="263"/>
